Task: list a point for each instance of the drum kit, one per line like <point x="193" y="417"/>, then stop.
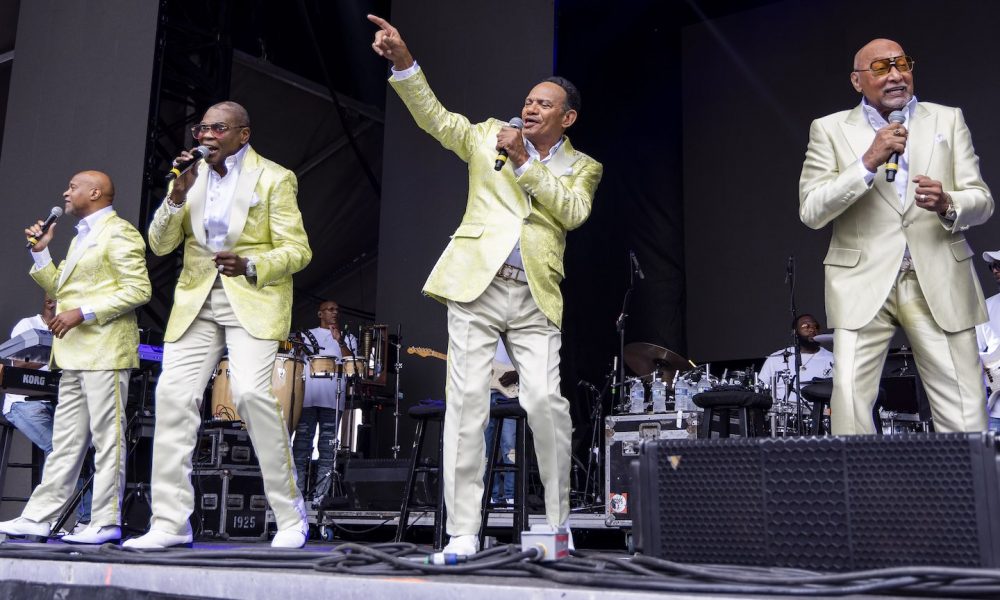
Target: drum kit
<point x="656" y="366"/>
<point x="298" y="361"/>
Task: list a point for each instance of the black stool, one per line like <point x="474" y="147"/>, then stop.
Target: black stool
<point x="499" y="412"/>
<point x="748" y="405"/>
<point x="7" y="430"/>
<point x="423" y="414"/>
<point x="820" y="392"/>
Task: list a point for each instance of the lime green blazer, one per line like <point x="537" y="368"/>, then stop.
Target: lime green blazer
<point x="538" y="207"/>
<point x="264" y="224"/>
<point x="108" y="275"/>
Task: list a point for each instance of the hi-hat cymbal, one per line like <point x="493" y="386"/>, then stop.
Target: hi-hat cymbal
<point x="825" y="340"/>
<point x="645" y="358"/>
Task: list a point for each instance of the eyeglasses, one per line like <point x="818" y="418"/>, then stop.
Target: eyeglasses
<point x="217" y="128"/>
<point x="995" y="266"/>
<point x="882" y="66"/>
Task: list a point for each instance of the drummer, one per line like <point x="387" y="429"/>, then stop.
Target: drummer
<point x="817" y="362"/>
<point x="324" y="402"/>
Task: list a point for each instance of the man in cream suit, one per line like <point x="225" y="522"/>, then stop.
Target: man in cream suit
<point x="237" y="218"/>
<point x="97" y="289"/>
<point x="898" y="257"/>
<point x="499" y="276"/>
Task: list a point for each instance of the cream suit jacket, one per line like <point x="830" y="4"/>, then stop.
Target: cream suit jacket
<point x="540" y="206"/>
<point x="264" y="224"/>
<point x="108" y="275"/>
<point x="871" y="229"/>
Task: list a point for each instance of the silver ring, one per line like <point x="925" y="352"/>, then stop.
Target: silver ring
<point x="896" y="131"/>
<point x="222" y="268"/>
<point x="921" y="197"/>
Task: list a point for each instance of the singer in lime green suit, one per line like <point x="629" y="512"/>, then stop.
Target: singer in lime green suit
<point x="95" y="343"/>
<point x="234" y="295"/>
<point x="523" y="212"/>
<point x="898" y="256"/>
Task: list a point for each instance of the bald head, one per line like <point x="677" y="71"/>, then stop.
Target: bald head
<point x="884" y="91"/>
<point x="88" y="192"/>
<point x="239" y="114"/>
<point x="875" y="49"/>
<point x="102" y="182"/>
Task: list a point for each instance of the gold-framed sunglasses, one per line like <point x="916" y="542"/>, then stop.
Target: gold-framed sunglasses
<point x="882" y="66"/>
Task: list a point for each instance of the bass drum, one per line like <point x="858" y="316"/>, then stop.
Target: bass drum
<point x="287" y="383"/>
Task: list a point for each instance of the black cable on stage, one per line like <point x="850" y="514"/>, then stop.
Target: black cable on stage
<point x="582" y="569"/>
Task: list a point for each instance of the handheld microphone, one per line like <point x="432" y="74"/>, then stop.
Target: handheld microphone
<point x="182" y="167"/>
<point x="635" y="264"/>
<point x="54" y="214"/>
<point x="896" y="116"/>
<point x="516" y="123"/>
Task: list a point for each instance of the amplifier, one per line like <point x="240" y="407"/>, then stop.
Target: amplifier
<point x="224" y="448"/>
<point x="229" y="504"/>
<point x="376" y="483"/>
<point x="837" y="503"/>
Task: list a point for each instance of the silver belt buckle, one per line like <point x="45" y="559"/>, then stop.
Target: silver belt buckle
<point x="507" y="272"/>
<point x="906" y="265"/>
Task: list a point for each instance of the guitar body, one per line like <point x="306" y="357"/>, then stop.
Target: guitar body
<point x="496" y="372"/>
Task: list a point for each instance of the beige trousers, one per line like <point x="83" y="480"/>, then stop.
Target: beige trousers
<point x="188" y="364"/>
<point x="948" y="364"/>
<point x="91" y="409"/>
<point x="506" y="308"/>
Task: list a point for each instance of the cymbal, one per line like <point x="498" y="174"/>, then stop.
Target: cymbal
<point x="645" y="358"/>
<point x="825" y="340"/>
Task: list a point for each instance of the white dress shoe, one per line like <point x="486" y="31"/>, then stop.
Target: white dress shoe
<point x="462" y="545"/>
<point x="26" y="528"/>
<point x="292" y="537"/>
<point x="95" y="535"/>
<point x="158" y="539"/>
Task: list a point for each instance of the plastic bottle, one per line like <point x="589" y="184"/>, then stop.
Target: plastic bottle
<point x="683" y="391"/>
<point x="658" y="391"/>
<point x="637" y="397"/>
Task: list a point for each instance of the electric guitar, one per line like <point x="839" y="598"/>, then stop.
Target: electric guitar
<point x="499" y="368"/>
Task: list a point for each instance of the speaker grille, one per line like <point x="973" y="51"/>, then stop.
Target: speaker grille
<point x="826" y="503"/>
<point x="914" y="500"/>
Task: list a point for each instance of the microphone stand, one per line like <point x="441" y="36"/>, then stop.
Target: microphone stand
<point x="796" y="378"/>
<point x="399" y="371"/>
<point x="616" y="386"/>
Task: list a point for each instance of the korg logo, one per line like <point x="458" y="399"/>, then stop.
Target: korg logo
<point x="34" y="380"/>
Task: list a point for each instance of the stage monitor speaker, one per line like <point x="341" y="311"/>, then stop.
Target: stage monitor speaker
<point x="838" y="503"/>
<point x="376" y="484"/>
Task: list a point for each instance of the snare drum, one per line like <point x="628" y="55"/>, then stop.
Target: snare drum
<point x="287" y="384"/>
<point x="324" y="367"/>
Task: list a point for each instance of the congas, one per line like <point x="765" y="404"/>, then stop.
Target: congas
<point x="353" y="366"/>
<point x="324" y="367"/>
<point x="287" y="384"/>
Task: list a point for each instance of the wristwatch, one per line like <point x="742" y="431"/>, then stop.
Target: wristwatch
<point x="951" y="214"/>
<point x="251" y="268"/>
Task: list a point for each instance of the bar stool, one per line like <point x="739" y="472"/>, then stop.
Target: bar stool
<point x="7" y="431"/>
<point x="820" y="392"/>
<point x="499" y="412"/>
<point x="749" y="407"/>
<point x="424" y="413"/>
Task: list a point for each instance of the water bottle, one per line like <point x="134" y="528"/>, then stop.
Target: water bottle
<point x="658" y="391"/>
<point x="637" y="397"/>
<point x="683" y="391"/>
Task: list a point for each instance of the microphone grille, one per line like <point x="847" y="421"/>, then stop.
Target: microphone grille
<point x="897" y="116"/>
<point x="56" y="212"/>
<point x="516" y="123"/>
<point x="201" y="151"/>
